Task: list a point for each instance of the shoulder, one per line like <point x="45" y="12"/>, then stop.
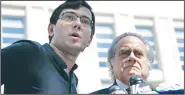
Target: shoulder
<point x="23" y="49"/>
<point x="102" y="91"/>
<point x="21" y="46"/>
<point x="27" y="43"/>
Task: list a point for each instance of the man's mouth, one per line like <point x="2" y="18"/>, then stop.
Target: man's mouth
<point x="74" y="34"/>
<point x="132" y="67"/>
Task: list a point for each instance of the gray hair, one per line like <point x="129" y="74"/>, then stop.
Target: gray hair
<point x="111" y="51"/>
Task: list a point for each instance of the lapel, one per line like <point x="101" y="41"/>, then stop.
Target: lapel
<point x="110" y="89"/>
<point x="115" y="84"/>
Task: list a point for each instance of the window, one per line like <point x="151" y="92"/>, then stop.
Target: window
<point x="13" y="29"/>
<point x="179" y="29"/>
<point x="144" y="26"/>
<point x="13" y="24"/>
<point x="104" y="35"/>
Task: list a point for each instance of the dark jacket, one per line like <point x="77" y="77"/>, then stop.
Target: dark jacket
<point x="103" y="91"/>
<point x="29" y="68"/>
<point x="108" y="90"/>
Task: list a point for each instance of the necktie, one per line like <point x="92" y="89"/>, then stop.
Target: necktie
<point x="128" y="90"/>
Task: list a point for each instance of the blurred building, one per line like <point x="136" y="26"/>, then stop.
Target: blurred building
<point x="160" y="22"/>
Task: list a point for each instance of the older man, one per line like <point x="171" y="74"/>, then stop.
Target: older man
<point x="130" y="55"/>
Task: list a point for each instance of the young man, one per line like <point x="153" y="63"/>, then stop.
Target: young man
<point x="29" y="68"/>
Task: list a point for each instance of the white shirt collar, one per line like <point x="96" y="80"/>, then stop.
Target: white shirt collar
<point x="121" y="84"/>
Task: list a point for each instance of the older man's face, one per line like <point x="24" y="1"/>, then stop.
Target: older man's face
<point x="130" y="58"/>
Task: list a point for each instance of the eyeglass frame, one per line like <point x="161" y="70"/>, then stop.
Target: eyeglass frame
<point x="91" y="22"/>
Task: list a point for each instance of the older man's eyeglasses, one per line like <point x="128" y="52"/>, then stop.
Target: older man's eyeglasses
<point x="70" y="16"/>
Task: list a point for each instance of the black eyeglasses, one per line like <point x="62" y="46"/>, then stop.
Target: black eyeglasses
<point x="70" y="16"/>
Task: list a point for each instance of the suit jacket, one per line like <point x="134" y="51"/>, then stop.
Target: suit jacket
<point x="107" y="90"/>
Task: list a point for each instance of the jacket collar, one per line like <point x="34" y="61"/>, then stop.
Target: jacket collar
<point x="60" y="62"/>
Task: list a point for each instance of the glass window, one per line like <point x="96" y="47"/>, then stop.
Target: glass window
<point x="146" y="30"/>
<point x="106" y="83"/>
<point x="103" y="45"/>
<point x="180" y="42"/>
<point x="103" y="64"/>
<point x="102" y="54"/>
<point x="13" y="29"/>
<point x="104" y="36"/>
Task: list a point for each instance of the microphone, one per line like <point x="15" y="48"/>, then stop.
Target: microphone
<point x="139" y="86"/>
<point x="116" y="90"/>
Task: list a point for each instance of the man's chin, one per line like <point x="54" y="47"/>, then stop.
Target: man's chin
<point x="77" y="47"/>
<point x="133" y="72"/>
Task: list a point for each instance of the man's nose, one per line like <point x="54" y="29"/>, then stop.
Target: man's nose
<point x="132" y="57"/>
<point x="77" y="23"/>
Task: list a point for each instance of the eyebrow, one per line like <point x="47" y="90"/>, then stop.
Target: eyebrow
<point x="76" y="14"/>
<point x="128" y="48"/>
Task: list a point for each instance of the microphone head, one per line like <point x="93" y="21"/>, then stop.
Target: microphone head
<point x="139" y="86"/>
<point x="135" y="79"/>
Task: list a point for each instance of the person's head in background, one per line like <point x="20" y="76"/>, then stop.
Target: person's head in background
<point x="72" y="26"/>
<point x="129" y="54"/>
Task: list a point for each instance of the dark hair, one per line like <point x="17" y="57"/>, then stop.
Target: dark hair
<point x="71" y="4"/>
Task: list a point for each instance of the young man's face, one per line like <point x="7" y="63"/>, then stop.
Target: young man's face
<point x="71" y="33"/>
<point x="130" y="58"/>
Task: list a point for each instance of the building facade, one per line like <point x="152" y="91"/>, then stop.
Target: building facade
<point x="160" y="22"/>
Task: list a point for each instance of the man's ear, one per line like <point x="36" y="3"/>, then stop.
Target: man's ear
<point x="51" y="29"/>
